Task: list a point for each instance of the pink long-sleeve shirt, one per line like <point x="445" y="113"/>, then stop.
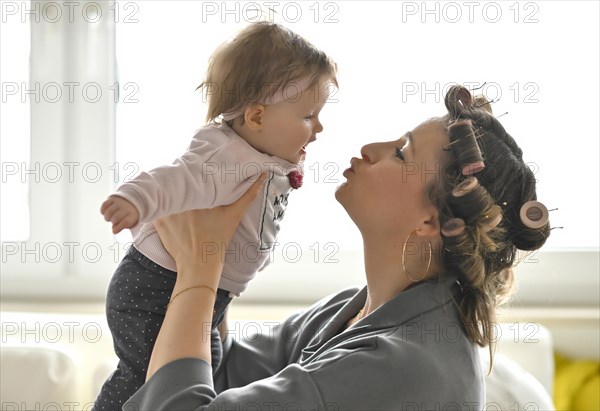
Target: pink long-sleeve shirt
<point x="217" y="168"/>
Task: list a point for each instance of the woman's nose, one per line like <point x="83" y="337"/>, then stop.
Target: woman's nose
<point x="375" y="151"/>
<point x="369" y="152"/>
<point x="364" y="152"/>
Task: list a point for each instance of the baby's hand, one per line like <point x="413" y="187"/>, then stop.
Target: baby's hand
<point x="120" y="212"/>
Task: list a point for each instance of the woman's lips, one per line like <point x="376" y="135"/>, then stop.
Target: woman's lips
<point x="351" y="168"/>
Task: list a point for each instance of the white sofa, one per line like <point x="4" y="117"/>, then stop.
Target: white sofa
<point x="58" y="362"/>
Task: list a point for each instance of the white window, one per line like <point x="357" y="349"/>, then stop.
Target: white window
<point x="15" y="131"/>
<point x="396" y="60"/>
<point x="61" y="59"/>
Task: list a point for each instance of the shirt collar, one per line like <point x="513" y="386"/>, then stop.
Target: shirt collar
<point x="400" y="309"/>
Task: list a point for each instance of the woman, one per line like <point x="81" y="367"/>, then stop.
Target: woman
<point x="442" y="212"/>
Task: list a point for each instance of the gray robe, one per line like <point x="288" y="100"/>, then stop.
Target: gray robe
<point x="410" y="354"/>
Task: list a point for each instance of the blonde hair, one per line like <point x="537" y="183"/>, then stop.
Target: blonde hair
<point x="261" y="59"/>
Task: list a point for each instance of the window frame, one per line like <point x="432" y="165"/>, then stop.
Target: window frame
<point x="64" y="240"/>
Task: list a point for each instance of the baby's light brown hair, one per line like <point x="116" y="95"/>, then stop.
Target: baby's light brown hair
<point x="261" y="59"/>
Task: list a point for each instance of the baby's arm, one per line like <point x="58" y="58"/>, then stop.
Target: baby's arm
<point x="191" y="182"/>
<point x="160" y="192"/>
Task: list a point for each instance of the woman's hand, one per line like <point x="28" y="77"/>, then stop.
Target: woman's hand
<point x="186" y="330"/>
<point x="202" y="233"/>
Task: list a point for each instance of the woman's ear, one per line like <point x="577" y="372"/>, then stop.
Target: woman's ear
<point x="430" y="225"/>
<point x="254" y="116"/>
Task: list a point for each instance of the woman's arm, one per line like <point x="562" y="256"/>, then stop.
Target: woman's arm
<point x="255" y="372"/>
<point x="357" y="375"/>
<point x="197" y="240"/>
<point x="370" y="369"/>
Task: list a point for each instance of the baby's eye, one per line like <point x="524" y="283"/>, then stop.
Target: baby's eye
<point x="310" y="116"/>
<point x="399" y="154"/>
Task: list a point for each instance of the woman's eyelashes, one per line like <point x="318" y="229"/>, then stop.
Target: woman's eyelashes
<point x="399" y="153"/>
<point x="403" y="144"/>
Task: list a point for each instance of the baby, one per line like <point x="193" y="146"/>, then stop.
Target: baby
<point x="267" y="87"/>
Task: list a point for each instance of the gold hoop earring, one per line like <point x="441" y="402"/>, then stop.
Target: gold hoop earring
<point x="404" y="259"/>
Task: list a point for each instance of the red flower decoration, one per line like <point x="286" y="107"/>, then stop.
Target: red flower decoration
<point x="295" y="179"/>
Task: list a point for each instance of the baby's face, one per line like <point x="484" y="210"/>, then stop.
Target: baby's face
<point x="289" y="126"/>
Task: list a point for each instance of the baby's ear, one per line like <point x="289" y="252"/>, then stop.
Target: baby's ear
<point x="254" y="116"/>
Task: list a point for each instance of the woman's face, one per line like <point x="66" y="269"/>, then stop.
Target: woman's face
<point x="387" y="190"/>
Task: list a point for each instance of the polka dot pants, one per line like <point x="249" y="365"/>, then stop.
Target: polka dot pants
<point x="136" y="302"/>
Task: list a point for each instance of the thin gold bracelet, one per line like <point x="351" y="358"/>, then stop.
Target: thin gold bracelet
<point x="189" y="288"/>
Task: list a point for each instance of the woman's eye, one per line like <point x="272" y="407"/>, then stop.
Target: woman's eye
<point x="399" y="154"/>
